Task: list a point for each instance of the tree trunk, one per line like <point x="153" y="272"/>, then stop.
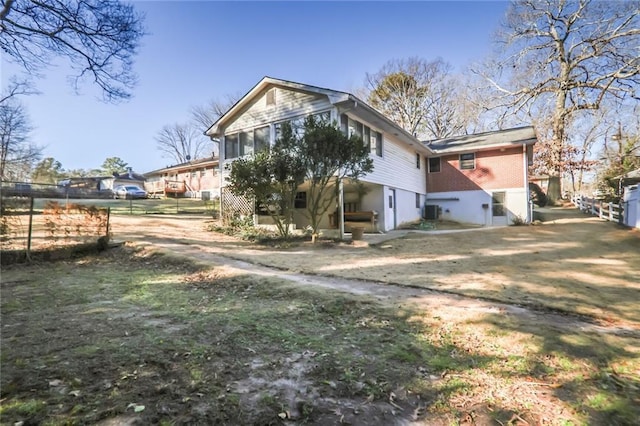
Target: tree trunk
<point x="554" y="191"/>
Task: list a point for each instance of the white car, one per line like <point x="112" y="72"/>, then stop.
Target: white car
<point x="129" y="192"/>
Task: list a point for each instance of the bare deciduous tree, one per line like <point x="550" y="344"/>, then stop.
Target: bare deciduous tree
<point x="17" y="87"/>
<point x="17" y="154"/>
<point x="566" y="57"/>
<point x="203" y="116"/>
<point x="182" y="143"/>
<point x="419" y="95"/>
<point x="98" y="37"/>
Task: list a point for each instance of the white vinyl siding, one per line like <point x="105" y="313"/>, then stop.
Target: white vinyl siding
<point x="289" y="104"/>
<point x="476" y="206"/>
<point x="397" y="167"/>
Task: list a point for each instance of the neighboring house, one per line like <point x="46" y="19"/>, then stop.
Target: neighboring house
<point x="195" y="179"/>
<point x="127" y="178"/>
<point x="393" y="193"/>
<point x="396" y="191"/>
<point x="99" y="185"/>
<point x="482" y="178"/>
<point x="88" y="183"/>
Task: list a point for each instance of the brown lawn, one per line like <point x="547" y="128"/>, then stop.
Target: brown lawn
<point x="586" y="266"/>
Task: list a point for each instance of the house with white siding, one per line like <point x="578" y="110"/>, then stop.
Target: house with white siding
<point x="394" y="193"/>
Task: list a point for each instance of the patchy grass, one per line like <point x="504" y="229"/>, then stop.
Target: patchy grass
<point x="149" y="337"/>
<point x="588" y="266"/>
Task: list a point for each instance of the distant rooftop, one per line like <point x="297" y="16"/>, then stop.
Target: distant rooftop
<point x="186" y="165"/>
<point x="499" y="138"/>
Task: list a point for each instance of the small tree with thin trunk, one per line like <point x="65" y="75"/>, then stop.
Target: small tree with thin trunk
<point x="329" y="156"/>
<point x="271" y="178"/>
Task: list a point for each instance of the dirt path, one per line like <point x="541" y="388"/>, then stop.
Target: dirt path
<point x="207" y="249"/>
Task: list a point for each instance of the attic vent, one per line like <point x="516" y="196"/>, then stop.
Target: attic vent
<point x="271" y="97"/>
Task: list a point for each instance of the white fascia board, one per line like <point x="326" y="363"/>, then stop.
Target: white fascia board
<point x="468" y="149"/>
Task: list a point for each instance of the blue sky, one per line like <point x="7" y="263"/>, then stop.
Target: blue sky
<point x="199" y="50"/>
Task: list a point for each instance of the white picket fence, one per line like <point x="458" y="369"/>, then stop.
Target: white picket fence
<point x="608" y="211"/>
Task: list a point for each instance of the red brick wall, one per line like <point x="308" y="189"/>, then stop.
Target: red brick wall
<point x="197" y="182"/>
<point x="494" y="169"/>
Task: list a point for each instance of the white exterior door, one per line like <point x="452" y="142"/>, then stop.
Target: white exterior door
<point x="391" y="208"/>
<point x="498" y="208"/>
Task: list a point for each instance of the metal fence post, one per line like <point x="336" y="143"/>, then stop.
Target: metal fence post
<point x="30" y="231"/>
<point x="108" y="219"/>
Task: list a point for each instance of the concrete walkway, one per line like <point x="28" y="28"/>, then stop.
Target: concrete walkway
<point x="375" y="239"/>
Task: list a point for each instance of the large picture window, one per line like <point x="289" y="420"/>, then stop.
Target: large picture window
<point x="246" y="143"/>
<point x="467" y="161"/>
<point x="259" y="139"/>
<point x="231" y="146"/>
<point x="297" y="124"/>
<point x="369" y="136"/>
<point x="262" y="138"/>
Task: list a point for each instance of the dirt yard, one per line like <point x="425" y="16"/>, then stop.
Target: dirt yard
<point x="530" y="325"/>
<point x="577" y="265"/>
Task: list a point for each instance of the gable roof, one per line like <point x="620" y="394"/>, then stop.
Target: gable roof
<point x="484" y="141"/>
<point x="336" y="98"/>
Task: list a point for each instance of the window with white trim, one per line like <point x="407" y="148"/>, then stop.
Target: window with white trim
<point x="369" y="136"/>
<point x="231" y="146"/>
<point x="262" y="138"/>
<point x="297" y="123"/>
<point x="468" y="161"/>
<point x="248" y="142"/>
